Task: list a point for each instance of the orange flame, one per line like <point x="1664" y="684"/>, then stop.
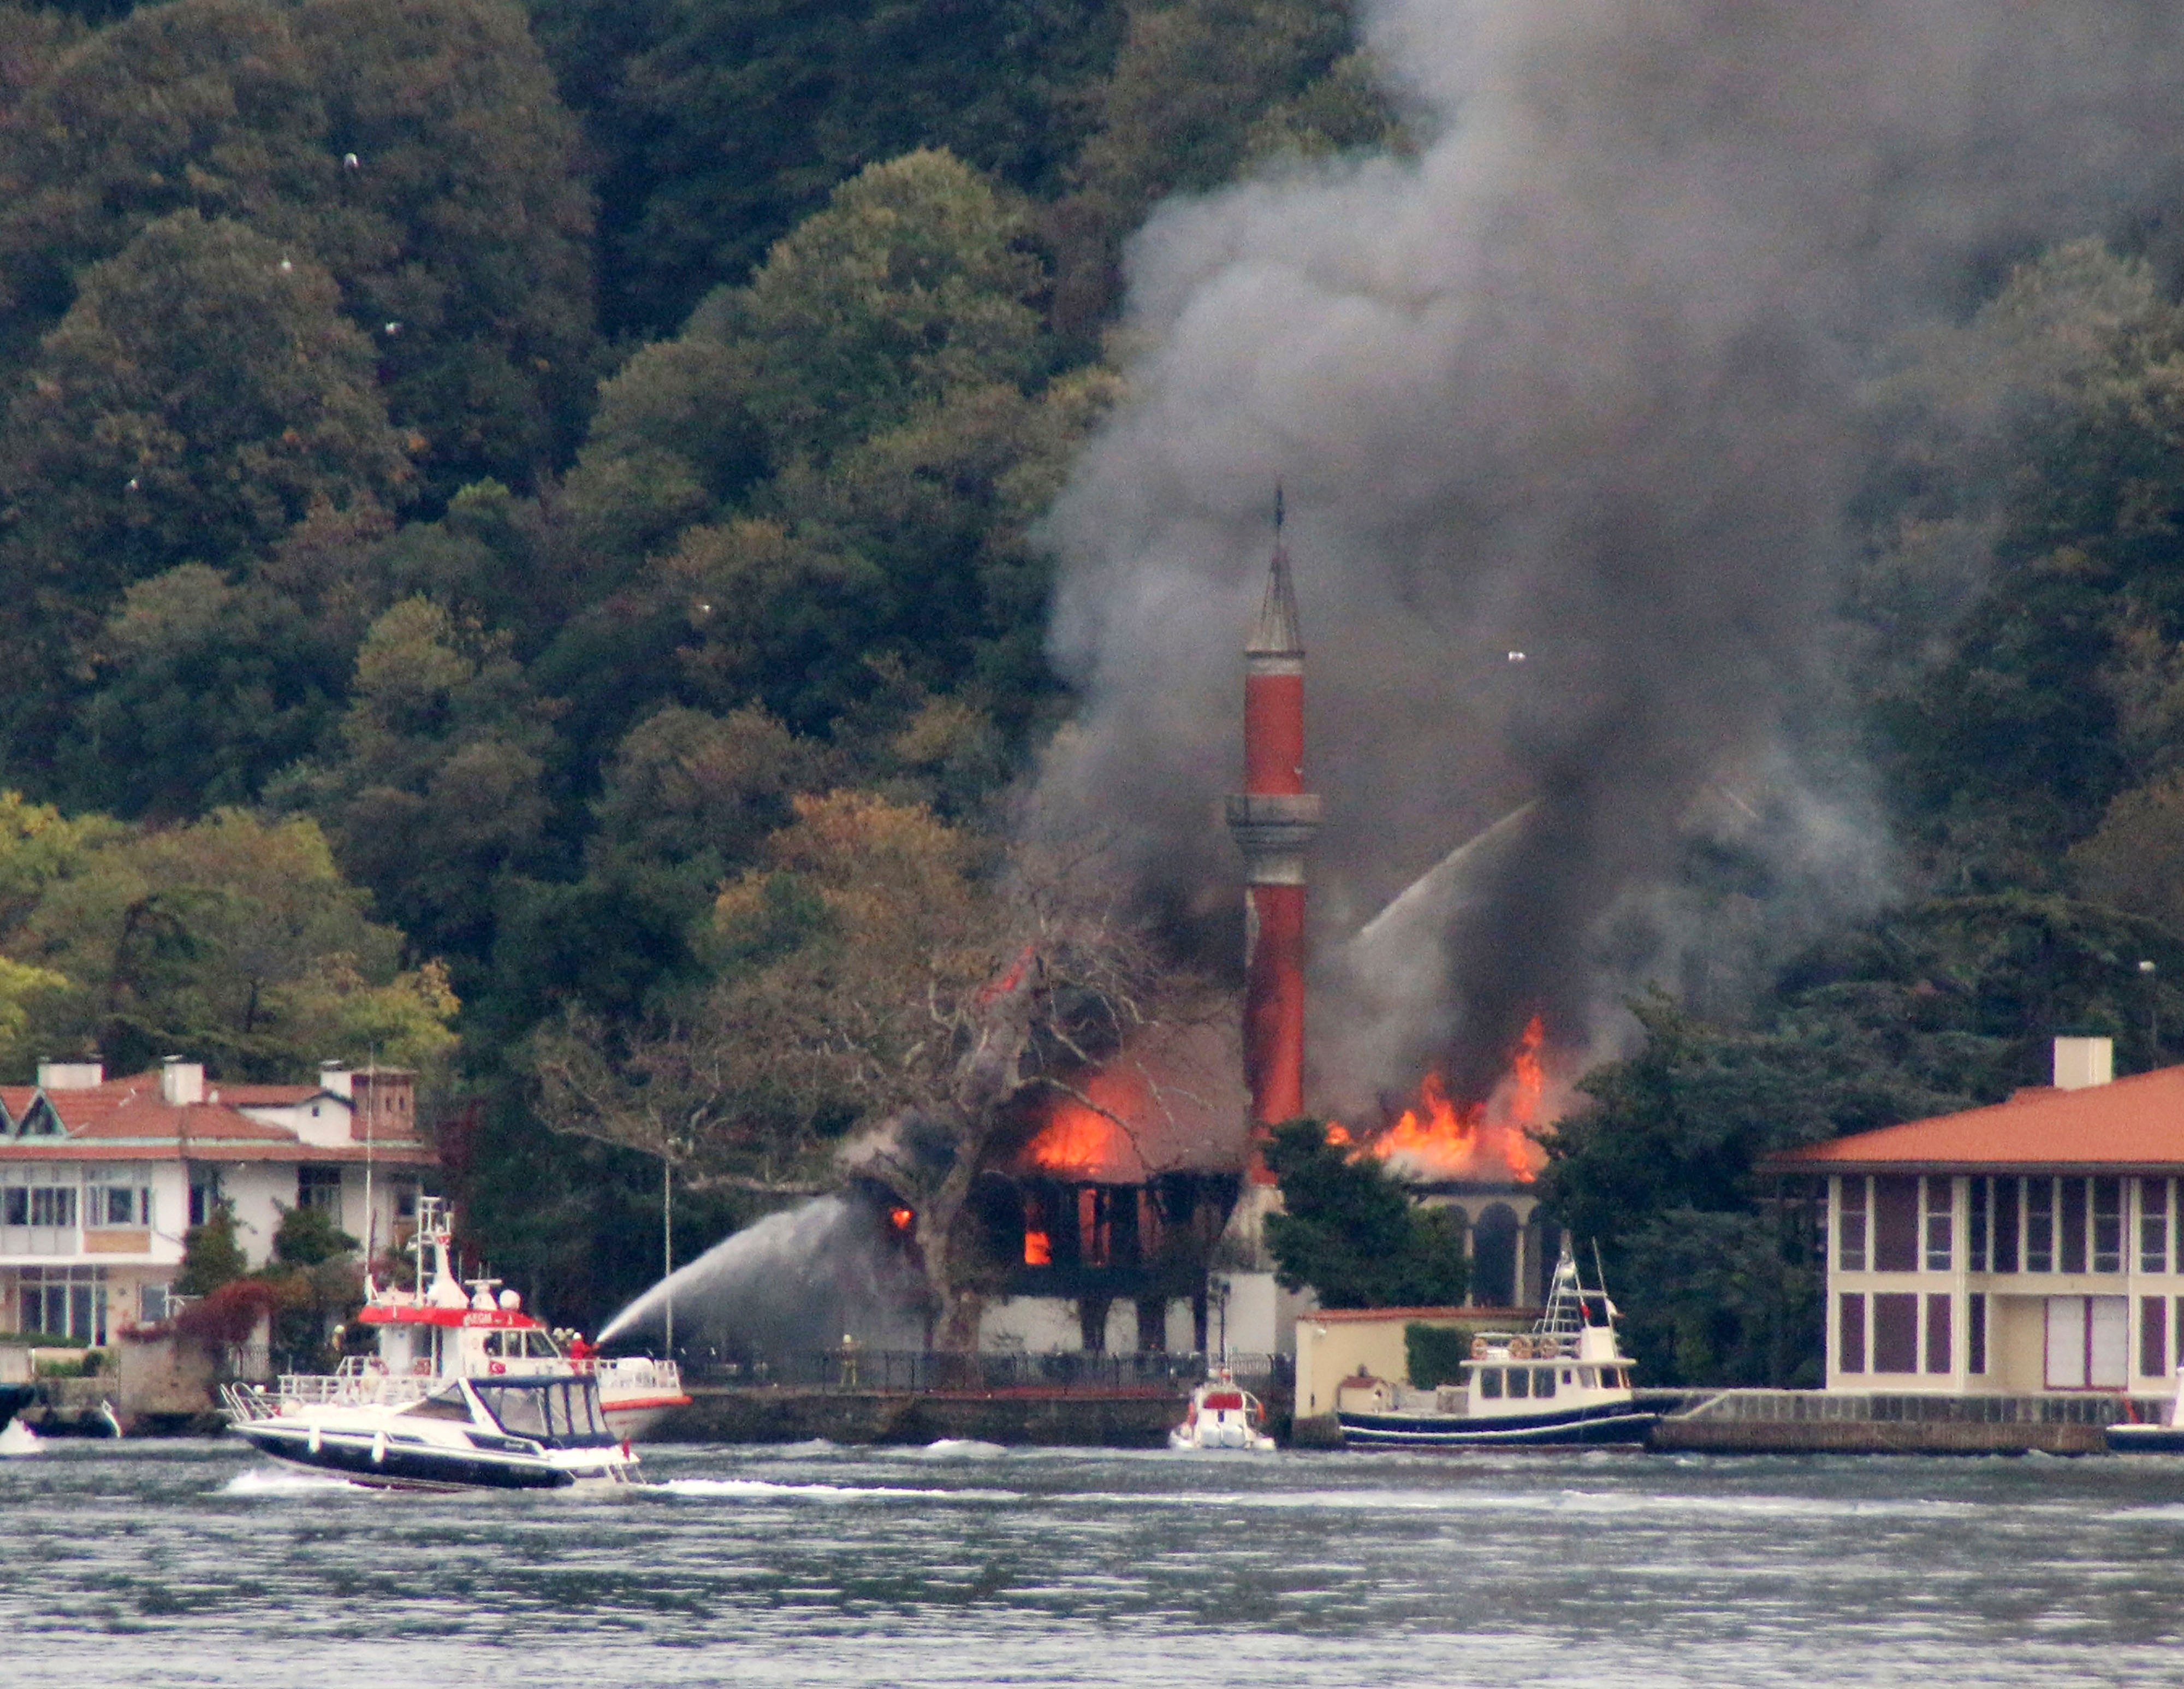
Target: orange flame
<point x="901" y="1219"/>
<point x="1442" y="1138"/>
<point x="1039" y="1249"/>
<point x="1087" y="1143"/>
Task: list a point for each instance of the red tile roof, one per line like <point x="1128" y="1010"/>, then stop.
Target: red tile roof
<point x="2132" y="1123"/>
<point x="128" y="1118"/>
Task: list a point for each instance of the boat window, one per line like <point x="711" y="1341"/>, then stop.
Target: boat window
<point x="1585" y="1377"/>
<point x="1490" y="1383"/>
<point x="447" y="1403"/>
<point x="538" y="1345"/>
<point x="1568" y="1377"/>
<point x="1520" y="1380"/>
<point x="522" y="1413"/>
<point x="1543" y="1382"/>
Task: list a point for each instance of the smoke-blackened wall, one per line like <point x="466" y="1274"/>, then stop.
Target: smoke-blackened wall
<point x="1578" y="380"/>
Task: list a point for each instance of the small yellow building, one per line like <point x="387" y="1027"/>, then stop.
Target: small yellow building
<point x="1335" y="1344"/>
<point x="2031" y="1246"/>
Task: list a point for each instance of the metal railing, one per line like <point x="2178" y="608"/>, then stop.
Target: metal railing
<point x="929" y="1372"/>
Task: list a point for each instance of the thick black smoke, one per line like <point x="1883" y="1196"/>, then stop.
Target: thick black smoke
<point x="1581" y="380"/>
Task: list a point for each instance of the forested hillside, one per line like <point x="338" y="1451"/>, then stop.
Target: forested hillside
<point x="466" y="469"/>
<point x="474" y="476"/>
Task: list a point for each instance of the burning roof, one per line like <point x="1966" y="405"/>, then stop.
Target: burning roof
<point x="1172" y="1101"/>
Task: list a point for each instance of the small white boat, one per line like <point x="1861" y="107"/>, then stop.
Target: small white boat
<point x="510" y="1434"/>
<point x="1223" y="1415"/>
<point x="1565" y="1381"/>
<point x="2163" y="1435"/>
<point x="448" y="1329"/>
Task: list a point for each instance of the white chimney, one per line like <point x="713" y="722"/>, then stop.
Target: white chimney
<point x="54" y="1076"/>
<point x="2083" y="1062"/>
<point x="334" y="1076"/>
<point x="181" y="1081"/>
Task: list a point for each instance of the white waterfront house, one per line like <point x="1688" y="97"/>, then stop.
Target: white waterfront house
<point x="2029" y="1246"/>
<point x="100" y="1178"/>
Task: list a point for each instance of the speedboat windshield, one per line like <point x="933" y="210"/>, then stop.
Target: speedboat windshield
<point x="565" y="1411"/>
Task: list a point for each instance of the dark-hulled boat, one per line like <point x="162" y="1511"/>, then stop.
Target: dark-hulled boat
<point x="1565" y="1381"/>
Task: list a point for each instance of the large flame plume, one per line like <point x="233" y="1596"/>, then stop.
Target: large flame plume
<point x="1439" y="1138"/>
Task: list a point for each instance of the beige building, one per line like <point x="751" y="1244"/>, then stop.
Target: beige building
<point x="100" y="1178"/>
<point x="1335" y="1344"/>
<point x="2031" y="1246"/>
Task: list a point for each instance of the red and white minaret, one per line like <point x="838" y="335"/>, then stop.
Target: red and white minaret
<point x="1273" y="821"/>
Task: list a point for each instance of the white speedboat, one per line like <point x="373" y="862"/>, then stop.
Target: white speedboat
<point x="1222" y="1415"/>
<point x="536" y="1433"/>
<point x="1564" y="1381"/>
<point x="446" y="1328"/>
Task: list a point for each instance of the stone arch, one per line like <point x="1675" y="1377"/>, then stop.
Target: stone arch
<point x="1494" y="1257"/>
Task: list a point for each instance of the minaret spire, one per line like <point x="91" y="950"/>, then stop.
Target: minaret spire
<point x="1272" y="821"/>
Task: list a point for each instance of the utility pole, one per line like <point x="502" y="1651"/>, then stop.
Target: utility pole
<point x="667" y="1245"/>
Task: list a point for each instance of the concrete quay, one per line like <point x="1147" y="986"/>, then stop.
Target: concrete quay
<point x="775" y="1414"/>
<point x="1812" y="1421"/>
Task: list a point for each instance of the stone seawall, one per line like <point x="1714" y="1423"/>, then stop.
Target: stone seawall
<point x="769" y="1415"/>
<point x="1797" y="1421"/>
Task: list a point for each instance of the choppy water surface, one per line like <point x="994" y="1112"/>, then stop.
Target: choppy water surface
<point x="200" y="1564"/>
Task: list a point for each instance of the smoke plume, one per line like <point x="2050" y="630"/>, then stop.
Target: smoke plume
<point x="1579" y="380"/>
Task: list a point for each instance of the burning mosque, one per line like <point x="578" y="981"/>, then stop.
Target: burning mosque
<point x="1136" y="1222"/>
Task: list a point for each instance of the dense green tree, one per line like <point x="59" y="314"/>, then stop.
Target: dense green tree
<point x="202" y="394"/>
<point x="457" y="236"/>
<point x="723" y="126"/>
<point x="1350" y="1231"/>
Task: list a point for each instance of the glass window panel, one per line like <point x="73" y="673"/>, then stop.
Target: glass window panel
<point x="1976" y="1333"/>
<point x="1938" y="1356"/>
<point x="2070" y="1213"/>
<point x="1940" y="1223"/>
<point x="2153" y="1225"/>
<point x="1490" y="1383"/>
<point x="2006" y="1206"/>
<point x="1850" y="1225"/>
<point x="2039" y="1225"/>
<point x="2153" y="1336"/>
<point x="14" y="1207"/>
<point x="2107" y="1225"/>
<point x="1850" y="1338"/>
<point x="1520" y="1381"/>
<point x="1896" y="1333"/>
<point x="1976" y="1247"/>
<point x="1896" y="1222"/>
<point x="1543" y="1381"/>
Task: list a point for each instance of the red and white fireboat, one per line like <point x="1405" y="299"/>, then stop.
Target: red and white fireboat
<point x="432" y="1339"/>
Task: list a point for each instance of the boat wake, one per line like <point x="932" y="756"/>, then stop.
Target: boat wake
<point x="960" y="1448"/>
<point x="273" y="1481"/>
<point x="759" y="1489"/>
<point x="18" y="1440"/>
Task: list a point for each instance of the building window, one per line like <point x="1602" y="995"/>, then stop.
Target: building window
<point x="1977" y="1195"/>
<point x="52" y="1205"/>
<point x="2005" y="1225"/>
<point x="2107" y="1225"/>
<point x="320" y="1187"/>
<point x="1938" y="1357"/>
<point x="1940" y="1223"/>
<point x="204" y="1198"/>
<point x="2071" y="1205"/>
<point x="1976" y="1333"/>
<point x="1850" y="1226"/>
<point x="65" y="1302"/>
<point x="117" y="1205"/>
<point x="1850" y="1332"/>
<point x="2039" y="1225"/>
<point x="1896" y="1222"/>
<point x="152" y="1305"/>
<point x="2153" y="1225"/>
<point x="2153" y="1336"/>
<point x="2088" y="1342"/>
<point x="1896" y="1333"/>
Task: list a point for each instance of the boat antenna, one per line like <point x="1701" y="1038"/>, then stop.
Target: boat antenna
<point x="1599" y="1272"/>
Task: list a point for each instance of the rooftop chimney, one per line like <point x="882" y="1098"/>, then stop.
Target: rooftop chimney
<point x="334" y="1077"/>
<point x="181" y="1081"/>
<point x="2083" y="1062"/>
<point x="54" y="1076"/>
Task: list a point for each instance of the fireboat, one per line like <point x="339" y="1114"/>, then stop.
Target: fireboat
<point x="464" y="1389"/>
